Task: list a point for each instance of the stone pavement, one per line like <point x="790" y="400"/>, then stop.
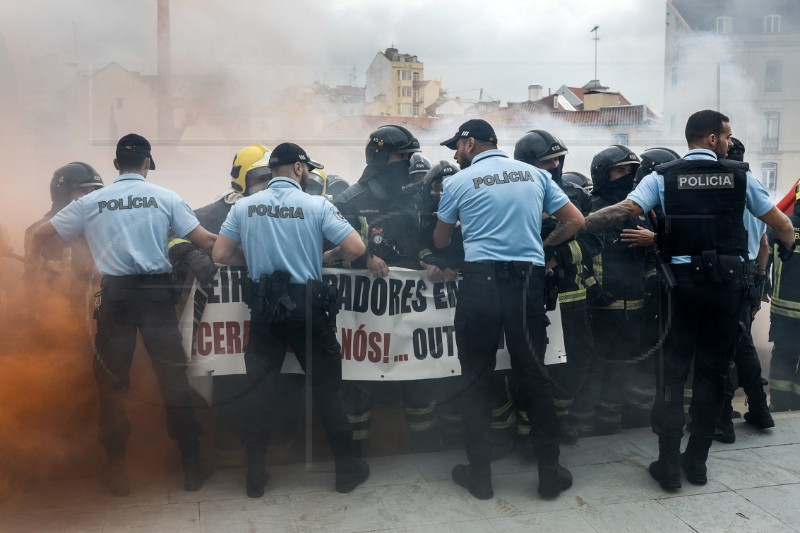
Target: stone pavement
<point x="754" y="485"/>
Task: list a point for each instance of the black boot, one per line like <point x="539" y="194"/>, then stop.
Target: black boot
<point x="566" y="433"/>
<point x="476" y="479"/>
<point x="724" y="431"/>
<point x="256" y="478"/>
<point x="350" y="473"/>
<point x="758" y="414"/>
<point x="115" y="475"/>
<point x="694" y="459"/>
<point x="667" y="470"/>
<point x="195" y="471"/>
<point x="553" y="479"/>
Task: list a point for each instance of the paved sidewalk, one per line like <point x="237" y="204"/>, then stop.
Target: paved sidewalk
<point x="754" y="485"/>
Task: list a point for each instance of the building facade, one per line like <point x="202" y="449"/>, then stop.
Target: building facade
<point x="741" y="58"/>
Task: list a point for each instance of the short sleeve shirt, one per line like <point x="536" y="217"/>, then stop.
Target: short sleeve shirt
<point x="499" y="202"/>
<point x="282" y="228"/>
<point x="126" y="225"/>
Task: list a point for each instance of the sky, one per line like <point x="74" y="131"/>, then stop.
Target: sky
<point x="500" y="47"/>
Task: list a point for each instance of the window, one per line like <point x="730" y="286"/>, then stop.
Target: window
<point x="773" y="76"/>
<point x="403" y="74"/>
<point x="404" y="91"/>
<point x="416" y="76"/>
<point x="405" y="109"/>
<point x="416" y="95"/>
<point x="772" y="130"/>
<point x="769" y="176"/>
<point x="619" y="138"/>
<point x="416" y="111"/>
<point x="724" y="25"/>
<point x="772" y="24"/>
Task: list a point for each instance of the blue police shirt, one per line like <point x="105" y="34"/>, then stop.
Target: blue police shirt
<point x="650" y="192"/>
<point x="755" y="229"/>
<point x="281" y="229"/>
<point x="126" y="225"/>
<point x="500" y="202"/>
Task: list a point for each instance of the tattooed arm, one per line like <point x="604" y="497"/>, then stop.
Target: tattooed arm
<point x="608" y="216"/>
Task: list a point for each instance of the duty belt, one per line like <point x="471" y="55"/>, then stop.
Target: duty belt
<point x="136" y="280"/>
<point x="502" y="268"/>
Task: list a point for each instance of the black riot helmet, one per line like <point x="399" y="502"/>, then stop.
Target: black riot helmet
<point x="540" y="145"/>
<point x="418" y="167"/>
<point x="537" y="145"/>
<point x="72" y="176"/>
<point x="576" y="178"/>
<point x="387" y="140"/>
<point x="736" y="152"/>
<point x="437" y="174"/>
<point x="651" y="158"/>
<point x="336" y="185"/>
<point x="612" y="156"/>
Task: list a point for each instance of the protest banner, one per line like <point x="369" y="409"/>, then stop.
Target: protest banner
<point x="394" y="328"/>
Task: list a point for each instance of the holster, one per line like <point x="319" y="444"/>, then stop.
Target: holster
<point x="550" y="290"/>
<point x="324" y="296"/>
<point x="270" y="297"/>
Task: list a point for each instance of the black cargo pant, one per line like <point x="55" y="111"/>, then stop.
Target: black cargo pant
<point x="579" y="347"/>
<point x="143" y="303"/>
<point x="703" y="323"/>
<point x="784" y="380"/>
<point x="494" y="297"/>
<point x="747" y="364"/>
<point x="318" y="351"/>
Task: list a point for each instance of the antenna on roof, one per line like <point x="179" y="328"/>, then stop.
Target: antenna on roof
<point x="595" y="38"/>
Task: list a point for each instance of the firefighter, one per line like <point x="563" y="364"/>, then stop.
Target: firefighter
<point x="547" y="152"/>
<point x="784" y="379"/>
<point x="616" y="301"/>
<point x="384" y="207"/>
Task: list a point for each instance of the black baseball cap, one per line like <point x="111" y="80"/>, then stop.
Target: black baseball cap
<point x="477" y="128"/>
<point x="290" y="153"/>
<point x="138" y="144"/>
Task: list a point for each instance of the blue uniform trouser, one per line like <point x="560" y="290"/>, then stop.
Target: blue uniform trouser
<point x="319" y="354"/>
<point x="143" y="303"/>
<point x="704" y="324"/>
<point x="494" y="298"/>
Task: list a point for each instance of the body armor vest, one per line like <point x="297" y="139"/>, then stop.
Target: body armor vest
<point x="704" y="202"/>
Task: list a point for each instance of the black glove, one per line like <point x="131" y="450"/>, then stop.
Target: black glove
<point x="595" y="295"/>
<point x="201" y="265"/>
<point x="785" y="253"/>
<point x="177" y="252"/>
<point x="757" y="290"/>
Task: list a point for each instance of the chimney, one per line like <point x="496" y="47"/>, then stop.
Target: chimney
<point x="166" y="127"/>
<point x="534" y="92"/>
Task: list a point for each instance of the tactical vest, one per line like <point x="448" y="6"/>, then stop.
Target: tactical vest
<point x="704" y="202"/>
<point x="786" y="279"/>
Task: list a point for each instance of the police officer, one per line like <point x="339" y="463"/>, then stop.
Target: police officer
<point x="543" y="150"/>
<point x="126" y="226"/>
<point x="784" y="380"/>
<point x="281" y="230"/>
<point x="499" y="203"/>
<point x="65" y="262"/>
<point x="249" y="173"/>
<point x="384" y="207"/>
<point x="703" y="197"/>
<point x="747" y="366"/>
